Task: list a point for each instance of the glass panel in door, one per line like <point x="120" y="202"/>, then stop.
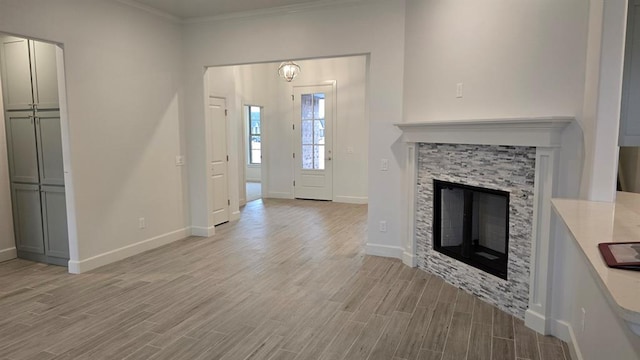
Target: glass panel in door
<point x="312" y="131"/>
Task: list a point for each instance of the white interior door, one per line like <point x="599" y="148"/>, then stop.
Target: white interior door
<point x="313" y="152"/>
<point x="218" y="169"/>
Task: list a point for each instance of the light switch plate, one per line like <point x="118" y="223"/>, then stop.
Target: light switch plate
<point x="384" y="164"/>
<point x="179" y="160"/>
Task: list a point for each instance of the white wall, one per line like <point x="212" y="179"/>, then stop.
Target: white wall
<point x="515" y="58"/>
<point x="124" y="105"/>
<point x="7" y="239"/>
<point x="373" y="27"/>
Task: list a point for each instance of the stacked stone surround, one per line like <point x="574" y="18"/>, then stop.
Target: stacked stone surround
<point x="507" y="168"/>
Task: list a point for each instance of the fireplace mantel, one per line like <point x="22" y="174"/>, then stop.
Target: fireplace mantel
<point x="526" y="131"/>
<point x="543" y="133"/>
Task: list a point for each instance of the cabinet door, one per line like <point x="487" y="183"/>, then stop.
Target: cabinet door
<point x="16" y="73"/>
<point x="27" y="218"/>
<point x="54" y="213"/>
<point x="630" y="109"/>
<point x="44" y="75"/>
<point x="21" y="141"/>
<point x="49" y="147"/>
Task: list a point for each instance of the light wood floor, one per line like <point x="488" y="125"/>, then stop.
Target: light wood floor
<point x="288" y="281"/>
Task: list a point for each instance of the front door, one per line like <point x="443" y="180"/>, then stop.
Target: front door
<point x="218" y="168"/>
<point x="313" y="153"/>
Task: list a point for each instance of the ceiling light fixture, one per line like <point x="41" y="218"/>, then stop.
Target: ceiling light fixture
<point x="288" y="70"/>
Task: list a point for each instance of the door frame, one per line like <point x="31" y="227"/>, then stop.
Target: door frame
<point x="73" y="265"/>
<point x="334" y="132"/>
<point x="245" y="146"/>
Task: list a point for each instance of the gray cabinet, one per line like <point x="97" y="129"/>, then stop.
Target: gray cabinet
<point x="29" y="74"/>
<point x="21" y="144"/>
<point x="49" y="143"/>
<point x="630" y="110"/>
<point x="35" y="147"/>
<point x="34" y="141"/>
<point x="54" y="213"/>
<point x="44" y="75"/>
<point x="27" y="218"/>
<point x="16" y="73"/>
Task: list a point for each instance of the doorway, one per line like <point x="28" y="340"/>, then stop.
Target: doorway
<point x="253" y="139"/>
<point x="339" y="132"/>
<point x="33" y="142"/>
<point x="313" y="139"/>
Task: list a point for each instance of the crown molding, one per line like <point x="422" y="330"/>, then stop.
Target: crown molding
<point x="151" y="10"/>
<point x="274" y="10"/>
<point x="241" y="14"/>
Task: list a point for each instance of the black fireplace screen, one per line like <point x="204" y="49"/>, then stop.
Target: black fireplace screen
<point x="471" y="224"/>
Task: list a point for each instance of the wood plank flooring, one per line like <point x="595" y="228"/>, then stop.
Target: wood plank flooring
<point x="289" y="281"/>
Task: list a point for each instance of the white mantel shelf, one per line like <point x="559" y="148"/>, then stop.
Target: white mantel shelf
<point x="527" y="131"/>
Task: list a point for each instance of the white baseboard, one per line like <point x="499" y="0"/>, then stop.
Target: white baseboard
<point x="203" y="231"/>
<point x="535" y="321"/>
<point x="351" y="199"/>
<point x="411" y="260"/>
<point x="77" y="267"/>
<point x="8" y="254"/>
<point x="279" y="195"/>
<point x="384" y="250"/>
<point x="564" y="331"/>
<point x="234" y="216"/>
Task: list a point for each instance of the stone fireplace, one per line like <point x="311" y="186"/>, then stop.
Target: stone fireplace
<point x="508" y="169"/>
<point x="516" y="158"/>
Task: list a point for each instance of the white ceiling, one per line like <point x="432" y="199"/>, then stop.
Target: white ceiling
<point x="186" y="9"/>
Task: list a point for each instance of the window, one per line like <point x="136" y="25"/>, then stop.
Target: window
<point x="313" y="131"/>
<point x="255" y="151"/>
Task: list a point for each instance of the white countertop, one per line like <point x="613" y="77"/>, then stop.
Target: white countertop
<point x="592" y="223"/>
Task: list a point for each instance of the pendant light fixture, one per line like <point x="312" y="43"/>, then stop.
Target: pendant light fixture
<point x="288" y="70"/>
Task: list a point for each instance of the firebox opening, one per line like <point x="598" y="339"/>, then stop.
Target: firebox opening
<point x="471" y="224"/>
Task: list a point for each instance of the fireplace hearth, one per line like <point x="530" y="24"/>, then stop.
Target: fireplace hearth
<point x="471" y="224"/>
